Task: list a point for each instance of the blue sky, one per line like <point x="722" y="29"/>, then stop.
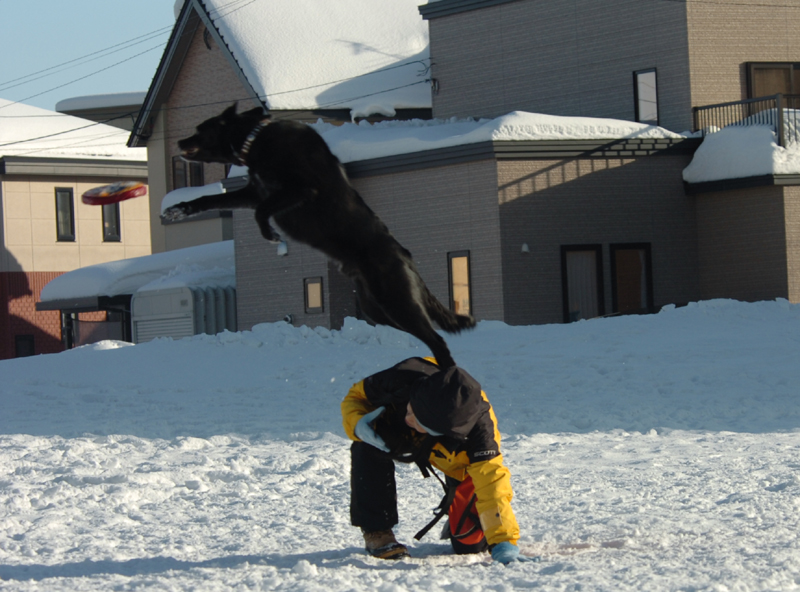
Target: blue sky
<point x="39" y="37"/>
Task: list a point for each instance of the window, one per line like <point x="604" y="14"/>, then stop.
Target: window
<point x="313" y="290"/>
<point x="186" y="174"/>
<point x="111" y="223"/>
<point x="65" y="215"/>
<point x="765" y="79"/>
<point x="582" y="282"/>
<point x="631" y="278"/>
<point x="645" y="95"/>
<point x="23" y="346"/>
<point x="458" y="272"/>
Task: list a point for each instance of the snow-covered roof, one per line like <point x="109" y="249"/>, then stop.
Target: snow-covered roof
<point x="210" y="265"/>
<point x="354" y="142"/>
<point x="101" y="101"/>
<point x="366" y="56"/>
<point x="31" y="131"/>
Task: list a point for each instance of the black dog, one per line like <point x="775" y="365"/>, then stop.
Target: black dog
<point x="296" y="179"/>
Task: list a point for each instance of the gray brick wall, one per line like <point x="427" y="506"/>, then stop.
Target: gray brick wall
<point x="436" y="211"/>
<point x="547" y="204"/>
<point x="269" y="286"/>
<point x="791" y="205"/>
<point x="742" y="241"/>
<point x="431" y="212"/>
<point x="572" y="57"/>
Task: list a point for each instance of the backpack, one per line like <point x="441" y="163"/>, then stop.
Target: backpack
<point x="464" y="526"/>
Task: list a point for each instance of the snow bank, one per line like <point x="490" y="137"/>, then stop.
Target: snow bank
<point x="654" y="452"/>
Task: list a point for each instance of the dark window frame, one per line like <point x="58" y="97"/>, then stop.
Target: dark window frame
<point x="751" y="67"/>
<point x="317" y="309"/>
<point x="108" y="236"/>
<point x="637" y="114"/>
<point x="648" y="260"/>
<point x="601" y="300"/>
<point x="187" y="173"/>
<point x="60" y="237"/>
<point x="455" y="255"/>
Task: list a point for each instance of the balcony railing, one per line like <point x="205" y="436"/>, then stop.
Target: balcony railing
<point x="781" y="112"/>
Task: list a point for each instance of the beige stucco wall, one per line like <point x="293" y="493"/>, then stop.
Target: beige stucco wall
<point x="29" y="226"/>
<point x="723" y="35"/>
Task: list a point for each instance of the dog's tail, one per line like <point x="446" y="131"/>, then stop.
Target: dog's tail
<point x="446" y="318"/>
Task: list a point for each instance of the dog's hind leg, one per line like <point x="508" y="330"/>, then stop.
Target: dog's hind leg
<point x="444" y="317"/>
<point x="397" y="305"/>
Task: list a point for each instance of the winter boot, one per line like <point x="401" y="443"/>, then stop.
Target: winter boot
<point x="383" y="545"/>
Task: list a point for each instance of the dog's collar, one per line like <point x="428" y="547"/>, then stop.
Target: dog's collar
<point x="248" y="142"/>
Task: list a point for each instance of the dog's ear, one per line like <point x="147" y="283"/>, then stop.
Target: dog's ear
<point x="257" y="112"/>
<point x="230" y="112"/>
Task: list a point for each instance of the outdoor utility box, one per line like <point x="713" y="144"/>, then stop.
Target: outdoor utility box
<point x="182" y="312"/>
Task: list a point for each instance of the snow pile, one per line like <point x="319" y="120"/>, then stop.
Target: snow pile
<point x="202" y="266"/>
<point x="735" y="152"/>
<point x="31" y="131"/>
<point x="654" y="452"/>
<point x="369" y="57"/>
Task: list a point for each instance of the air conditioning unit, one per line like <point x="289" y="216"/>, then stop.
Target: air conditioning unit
<point x="182" y="312"/>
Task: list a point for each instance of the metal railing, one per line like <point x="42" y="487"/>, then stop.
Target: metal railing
<point x="781" y="112"/>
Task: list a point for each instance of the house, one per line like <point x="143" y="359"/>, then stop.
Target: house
<point x="643" y="61"/>
<point x="554" y="227"/>
<point x="47" y="161"/>
<point x="326" y="62"/>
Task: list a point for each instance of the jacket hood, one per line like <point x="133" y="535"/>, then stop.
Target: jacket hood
<point x="448" y="401"/>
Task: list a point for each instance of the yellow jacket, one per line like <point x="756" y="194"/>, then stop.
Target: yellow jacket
<point x="492" y="480"/>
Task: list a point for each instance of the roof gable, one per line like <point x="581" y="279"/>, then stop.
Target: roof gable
<point x="300" y="55"/>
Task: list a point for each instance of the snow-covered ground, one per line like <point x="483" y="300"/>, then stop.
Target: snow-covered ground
<point x="653" y="452"/>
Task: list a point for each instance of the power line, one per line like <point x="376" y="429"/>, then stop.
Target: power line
<point x="141" y="39"/>
<point x="105" y="51"/>
<point x="83" y="77"/>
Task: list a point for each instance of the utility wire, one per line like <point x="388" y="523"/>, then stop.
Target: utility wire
<point x="149" y="36"/>
<point x="71" y="63"/>
<point x="160" y="45"/>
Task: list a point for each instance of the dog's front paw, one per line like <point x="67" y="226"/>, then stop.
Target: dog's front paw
<point x="178" y="212"/>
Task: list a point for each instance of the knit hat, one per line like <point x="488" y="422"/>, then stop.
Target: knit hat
<point x="447" y="402"/>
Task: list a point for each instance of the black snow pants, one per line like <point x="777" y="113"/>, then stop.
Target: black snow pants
<point x="373" y="491"/>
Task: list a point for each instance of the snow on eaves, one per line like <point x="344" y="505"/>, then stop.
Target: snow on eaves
<point x="122" y="99"/>
<point x="31" y="131"/>
<point x="353" y="142"/>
